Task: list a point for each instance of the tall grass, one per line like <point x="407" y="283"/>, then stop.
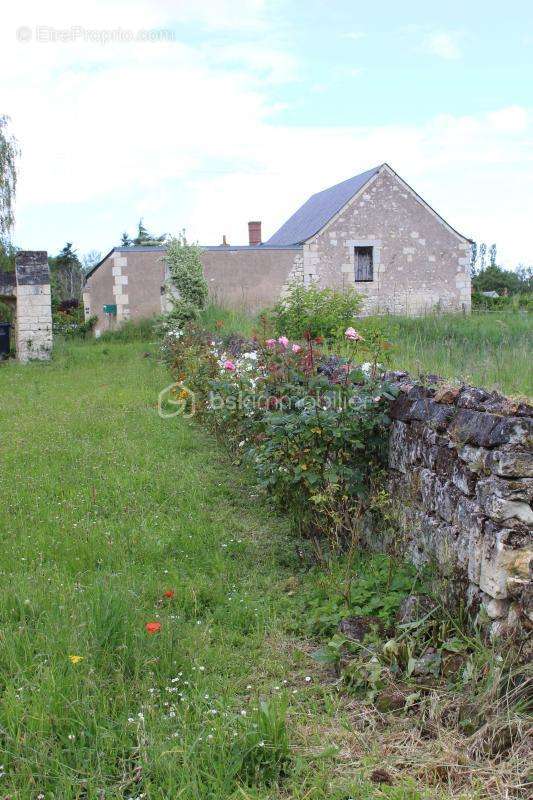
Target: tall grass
<point x="227" y="321"/>
<point x="143" y="330"/>
<point x="488" y="349"/>
<point x="492" y="350"/>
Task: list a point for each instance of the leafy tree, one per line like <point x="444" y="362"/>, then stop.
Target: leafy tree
<point x="8" y="179"/>
<point x="90" y="260"/>
<point x="187" y="284"/>
<point x="7" y="256"/>
<point x="525" y="275"/>
<point x="496" y="279"/>
<point x="482" y="255"/>
<point x="473" y="259"/>
<point x="492" y="255"/>
<point x="66" y="274"/>
<point x="145" y="239"/>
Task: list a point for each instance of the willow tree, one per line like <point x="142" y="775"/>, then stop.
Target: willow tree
<point x="8" y="180"/>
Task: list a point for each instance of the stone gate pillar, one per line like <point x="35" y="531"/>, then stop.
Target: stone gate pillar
<point x="33" y="331"/>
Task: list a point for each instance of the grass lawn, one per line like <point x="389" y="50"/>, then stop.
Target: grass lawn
<point x="104" y="508"/>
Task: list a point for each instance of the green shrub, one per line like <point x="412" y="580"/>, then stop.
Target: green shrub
<point x="186" y="279"/>
<point x="71" y="323"/>
<point x="312" y="426"/>
<point x="317" y="312"/>
<point x="512" y="302"/>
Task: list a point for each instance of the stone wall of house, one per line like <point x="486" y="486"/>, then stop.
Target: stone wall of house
<point x="420" y="262"/>
<point x="134" y="279"/>
<point x="33" y="328"/>
<point x="461" y="479"/>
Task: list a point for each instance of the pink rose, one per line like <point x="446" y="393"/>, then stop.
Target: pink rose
<point x="270" y="343"/>
<point x="230" y="366"/>
<point x="283" y="341"/>
<point x="296" y="348"/>
<point x="352" y="335"/>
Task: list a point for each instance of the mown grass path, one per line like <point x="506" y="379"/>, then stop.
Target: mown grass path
<point x="104" y="507"/>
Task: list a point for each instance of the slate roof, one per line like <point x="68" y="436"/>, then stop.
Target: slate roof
<point x="318" y="210"/>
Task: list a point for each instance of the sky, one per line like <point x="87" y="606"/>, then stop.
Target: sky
<point x="204" y="114"/>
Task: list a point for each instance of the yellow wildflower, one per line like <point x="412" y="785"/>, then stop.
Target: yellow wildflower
<point x="75" y="659"/>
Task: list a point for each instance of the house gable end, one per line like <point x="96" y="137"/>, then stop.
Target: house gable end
<point x="385" y="168"/>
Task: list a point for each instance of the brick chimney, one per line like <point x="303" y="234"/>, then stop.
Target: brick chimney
<point x="254" y="233"/>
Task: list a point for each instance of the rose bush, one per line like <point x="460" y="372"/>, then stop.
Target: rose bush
<point x="313" y="426"/>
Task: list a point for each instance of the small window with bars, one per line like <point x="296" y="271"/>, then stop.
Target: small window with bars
<point x="364" y="264"/>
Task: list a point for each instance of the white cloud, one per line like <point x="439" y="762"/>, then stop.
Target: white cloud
<point x="185" y="133"/>
<point x="512" y="119"/>
<point x="444" y="45"/>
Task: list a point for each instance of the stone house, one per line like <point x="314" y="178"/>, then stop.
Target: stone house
<point x="372" y="232"/>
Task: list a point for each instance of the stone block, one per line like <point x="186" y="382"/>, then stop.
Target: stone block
<point x="500" y="561"/>
<point x="512" y="463"/>
<point x="497" y="609"/>
<point x="464" y="478"/>
<point x="397" y="446"/>
<point x="427" y="480"/>
<point x="508" y="511"/>
<point x="447" y="497"/>
<point x="511" y="430"/>
<point x="468" y="515"/>
<point x="475" y="457"/>
<point x="418" y="392"/>
<point x="473" y="427"/>
<point x="450" y="553"/>
<point x="439" y="416"/>
<point x="509" y="488"/>
<point x="446" y="394"/>
<point x="401" y="408"/>
<point x="445" y="459"/>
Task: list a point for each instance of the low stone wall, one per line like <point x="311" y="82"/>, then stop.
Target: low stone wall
<point x="461" y="477"/>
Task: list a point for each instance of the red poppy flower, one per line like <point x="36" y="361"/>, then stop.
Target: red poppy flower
<point x="169" y="593"/>
<point x="153" y="627"/>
